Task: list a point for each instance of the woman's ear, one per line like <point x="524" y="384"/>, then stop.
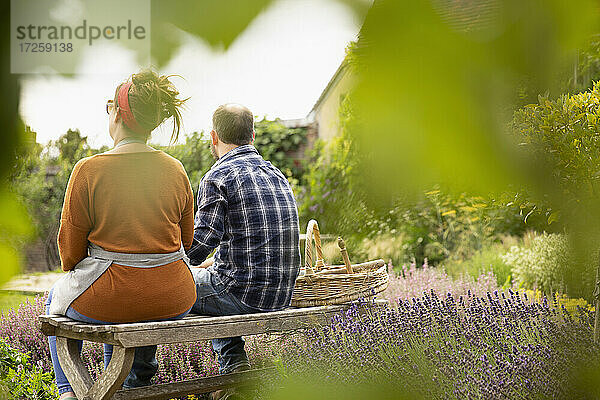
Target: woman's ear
<point x="117" y="116"/>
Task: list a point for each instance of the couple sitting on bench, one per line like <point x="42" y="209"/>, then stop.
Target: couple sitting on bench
<point x="134" y="251"/>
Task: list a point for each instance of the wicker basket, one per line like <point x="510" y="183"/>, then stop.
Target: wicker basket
<point x="336" y="284"/>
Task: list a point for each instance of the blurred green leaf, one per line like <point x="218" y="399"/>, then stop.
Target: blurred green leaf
<point x="554" y="216"/>
<point x="300" y="390"/>
<point x="435" y="92"/>
<point x="14" y="227"/>
<point x="218" y="22"/>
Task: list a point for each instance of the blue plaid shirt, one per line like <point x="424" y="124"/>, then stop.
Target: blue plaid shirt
<point x="246" y="207"/>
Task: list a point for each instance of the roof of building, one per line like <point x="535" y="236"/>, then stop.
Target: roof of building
<point x="462" y="15"/>
<point x="296" y="123"/>
<point x="332" y="82"/>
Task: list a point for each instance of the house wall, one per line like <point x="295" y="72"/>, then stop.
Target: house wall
<point x="326" y="115"/>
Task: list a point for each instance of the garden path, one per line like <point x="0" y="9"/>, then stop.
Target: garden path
<point x="32" y="283"/>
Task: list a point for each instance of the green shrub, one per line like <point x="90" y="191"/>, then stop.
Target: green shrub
<point x="275" y="142"/>
<point x="10" y="358"/>
<point x="30" y="384"/>
<point x="194" y="155"/>
<point x="440" y="225"/>
<point x="562" y="135"/>
<point x="20" y="380"/>
<point x="541" y="266"/>
<point x="331" y="187"/>
<point x="489" y="258"/>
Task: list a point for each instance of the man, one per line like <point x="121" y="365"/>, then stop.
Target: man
<point x="247" y="209"/>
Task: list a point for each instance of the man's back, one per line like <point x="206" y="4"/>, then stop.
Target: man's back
<point x="247" y="208"/>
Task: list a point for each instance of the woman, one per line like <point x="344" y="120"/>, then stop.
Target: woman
<point x="130" y="208"/>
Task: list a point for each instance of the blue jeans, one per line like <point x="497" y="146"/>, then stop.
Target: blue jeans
<point x="144" y="362"/>
<point x="213" y="299"/>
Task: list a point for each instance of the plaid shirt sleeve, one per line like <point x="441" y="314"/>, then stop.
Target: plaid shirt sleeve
<point x="209" y="221"/>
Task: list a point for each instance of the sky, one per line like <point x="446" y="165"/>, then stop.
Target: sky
<point x="277" y="67"/>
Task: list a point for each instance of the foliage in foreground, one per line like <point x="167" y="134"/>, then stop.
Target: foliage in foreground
<point x="22" y="380"/>
<point x="560" y="136"/>
<point x="435" y="225"/>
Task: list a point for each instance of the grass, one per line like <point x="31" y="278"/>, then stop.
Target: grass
<point x="485" y="260"/>
<point x="10" y="300"/>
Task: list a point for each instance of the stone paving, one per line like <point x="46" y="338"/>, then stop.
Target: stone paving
<point x="32" y="284"/>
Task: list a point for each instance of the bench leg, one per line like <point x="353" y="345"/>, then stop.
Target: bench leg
<point x="70" y="361"/>
<point x="109" y="382"/>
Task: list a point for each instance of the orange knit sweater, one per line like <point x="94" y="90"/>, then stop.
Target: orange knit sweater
<point x="130" y="203"/>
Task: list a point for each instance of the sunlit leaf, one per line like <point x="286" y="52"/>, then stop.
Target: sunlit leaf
<point x="553" y="217"/>
<point x="14" y="227"/>
<point x="435" y="96"/>
<point x="218" y="22"/>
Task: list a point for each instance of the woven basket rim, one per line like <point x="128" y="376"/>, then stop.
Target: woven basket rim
<point x="362" y="264"/>
<point x="343" y="276"/>
<point x="340" y="299"/>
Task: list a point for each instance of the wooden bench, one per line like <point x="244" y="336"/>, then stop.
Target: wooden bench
<point x="125" y="337"/>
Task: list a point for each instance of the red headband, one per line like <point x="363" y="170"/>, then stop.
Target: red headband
<point x="125" y="110"/>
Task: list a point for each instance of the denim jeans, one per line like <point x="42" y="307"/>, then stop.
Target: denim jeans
<point x="144" y="362"/>
<point x="213" y="299"/>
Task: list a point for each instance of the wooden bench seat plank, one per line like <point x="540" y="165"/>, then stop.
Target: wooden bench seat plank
<point x="89" y="328"/>
<point x="54" y="319"/>
<point x="223" y="329"/>
<point x="102" y="337"/>
<point x="189" y="320"/>
<point x="192" y="386"/>
<point x="204" y="320"/>
<point x="194" y="328"/>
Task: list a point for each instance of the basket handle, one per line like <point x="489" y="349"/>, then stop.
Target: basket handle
<point x="344" y="251"/>
<point x="312" y="230"/>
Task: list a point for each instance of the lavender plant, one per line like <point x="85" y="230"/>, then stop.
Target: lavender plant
<point x="491" y="347"/>
<point x="474" y="344"/>
<point x="412" y="282"/>
<point x="21" y="329"/>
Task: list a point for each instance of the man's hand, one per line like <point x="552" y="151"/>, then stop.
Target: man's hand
<point x="205" y="264"/>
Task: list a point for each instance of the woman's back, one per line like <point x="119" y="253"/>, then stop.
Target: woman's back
<point x="132" y="199"/>
<point x="137" y="202"/>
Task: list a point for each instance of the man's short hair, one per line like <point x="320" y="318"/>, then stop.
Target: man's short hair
<point x="234" y="124"/>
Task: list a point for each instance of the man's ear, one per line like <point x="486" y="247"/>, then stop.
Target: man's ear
<point x="214" y="137"/>
<point x="253" y="137"/>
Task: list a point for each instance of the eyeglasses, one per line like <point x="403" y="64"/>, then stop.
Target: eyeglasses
<point x="109" y="104"/>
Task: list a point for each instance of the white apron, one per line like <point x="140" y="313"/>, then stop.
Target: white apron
<point x="75" y="282"/>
